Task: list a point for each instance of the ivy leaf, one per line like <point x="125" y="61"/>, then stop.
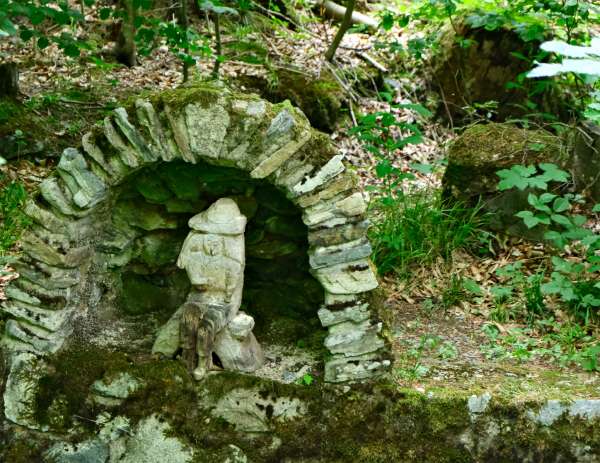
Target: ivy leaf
<point x="26" y="34"/>
<point x="515" y="177"/>
<point x="579" y="220"/>
<point x="71" y="50"/>
<point x="562" y="265"/>
<point x="539" y="205"/>
<point x="561" y="219"/>
<point x="529" y="219"/>
<point x="552" y="173"/>
<point x="596" y="208"/>
<point x="561" y="205"/>
<point x="547" y="197"/>
<point x="538" y="182"/>
<point x="556" y="237"/>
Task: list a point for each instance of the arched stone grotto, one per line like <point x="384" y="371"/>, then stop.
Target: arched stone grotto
<point x="98" y="262"/>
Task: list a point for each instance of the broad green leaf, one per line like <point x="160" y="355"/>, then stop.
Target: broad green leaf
<point x="579" y="220"/>
<point x="561" y="219"/>
<point x="26" y="34"/>
<point x="590" y="240"/>
<point x="524" y="171"/>
<point x="42" y="42"/>
<point x="538" y="182"/>
<point x="501" y="292"/>
<point x="511" y="179"/>
<point x="577" y="66"/>
<point x="536" y="203"/>
<point x="528" y="218"/>
<point x="590" y="301"/>
<point x="556" y="237"/>
<point x="7" y="27"/>
<point x="387" y="21"/>
<point x="383" y="168"/>
<point x="572" y="51"/>
<point x="547" y="197"/>
<point x="543" y="219"/>
<point x="561" y="264"/>
<point x="596" y="208"/>
<point x="561" y="205"/>
<point x="419" y="109"/>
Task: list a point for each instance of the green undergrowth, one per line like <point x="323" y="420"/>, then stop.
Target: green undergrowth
<point x="45" y="124"/>
<point x="420" y="228"/>
<point x="12" y="219"/>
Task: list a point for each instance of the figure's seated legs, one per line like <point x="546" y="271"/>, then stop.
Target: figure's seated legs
<point x="237" y="347"/>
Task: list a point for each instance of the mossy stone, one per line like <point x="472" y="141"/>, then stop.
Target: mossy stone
<point x="141" y="214"/>
<point x="151" y="187"/>
<point x="319" y="97"/>
<point x="190" y="182"/>
<point x="160" y="248"/>
<point x="152" y="293"/>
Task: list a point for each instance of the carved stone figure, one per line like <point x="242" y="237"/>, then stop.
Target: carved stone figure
<point x="209" y="320"/>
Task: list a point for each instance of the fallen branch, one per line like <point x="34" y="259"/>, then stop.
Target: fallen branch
<point x="338" y="11"/>
<point x="372" y="61"/>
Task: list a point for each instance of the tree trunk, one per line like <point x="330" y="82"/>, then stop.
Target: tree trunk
<point x="184" y="25"/>
<point x="346" y="22"/>
<point x="218" y="48"/>
<point x="9" y="80"/>
<point x="125" y="50"/>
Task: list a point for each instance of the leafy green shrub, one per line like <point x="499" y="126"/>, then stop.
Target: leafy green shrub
<point x="12" y="219"/>
<point x="576" y="282"/>
<point x="409" y="225"/>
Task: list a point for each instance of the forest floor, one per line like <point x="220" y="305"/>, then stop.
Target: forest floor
<point x="436" y="342"/>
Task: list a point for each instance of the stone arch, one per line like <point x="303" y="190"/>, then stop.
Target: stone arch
<point x="273" y="143"/>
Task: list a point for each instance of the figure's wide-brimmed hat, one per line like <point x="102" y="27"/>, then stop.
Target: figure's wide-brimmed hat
<point x="223" y="217"/>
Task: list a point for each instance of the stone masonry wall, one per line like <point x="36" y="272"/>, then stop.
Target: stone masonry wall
<point x="63" y="251"/>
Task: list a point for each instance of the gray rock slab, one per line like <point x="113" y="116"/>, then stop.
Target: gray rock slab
<point x="87" y="189"/>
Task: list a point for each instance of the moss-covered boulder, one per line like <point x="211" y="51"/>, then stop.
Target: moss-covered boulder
<point x="169" y="417"/>
<point x="320" y="98"/>
<point x="476" y="156"/>
<point x="586" y="159"/>
<point x="475" y="65"/>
